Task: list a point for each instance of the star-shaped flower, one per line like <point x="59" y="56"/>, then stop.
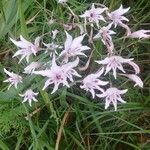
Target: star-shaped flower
<point x="52" y="47"/>
<point x="114" y="62"/>
<point x="13" y="79"/>
<point x="29" y="96"/>
<point x="31" y="67"/>
<point x="73" y="47"/>
<point x="117" y="15"/>
<point x="92" y="83"/>
<point x="112" y="96"/>
<point x="140" y="34"/>
<point x="59" y="74"/>
<point x="105" y="35"/>
<point x="26" y="48"/>
<point x="134" y="78"/>
<point x="94" y="14"/>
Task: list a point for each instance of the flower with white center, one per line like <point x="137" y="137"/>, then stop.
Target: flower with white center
<point x="14" y="79"/>
<point x="26" y="48"/>
<point x="140" y="34"/>
<point x="114" y="62"/>
<point x="94" y="14"/>
<point x="58" y="74"/>
<point x="29" y="96"/>
<point x="73" y="47"/>
<point x="112" y="95"/>
<point x="104" y="33"/>
<point x="135" y="78"/>
<point x="52" y="47"/>
<point x="62" y="1"/>
<point x="54" y="33"/>
<point x="118" y="18"/>
<point x="92" y="83"/>
<point x="31" y="67"/>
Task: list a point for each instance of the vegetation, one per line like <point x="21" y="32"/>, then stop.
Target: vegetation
<point x="71" y="119"/>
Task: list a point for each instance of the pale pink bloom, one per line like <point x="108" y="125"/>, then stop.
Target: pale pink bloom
<point x="52" y="48"/>
<point x="117" y="16"/>
<point x="14" y="79"/>
<point x="54" y="33"/>
<point x="74" y="47"/>
<point x="58" y="74"/>
<point x="134" y="78"/>
<point x="112" y="95"/>
<point x="105" y="35"/>
<point x="140" y="34"/>
<point x="26" y="48"/>
<point x="31" y="67"/>
<point x="69" y="26"/>
<point x="114" y="62"/>
<point x="29" y="96"/>
<point x="94" y="14"/>
<point x="92" y="83"/>
<point x="69" y="71"/>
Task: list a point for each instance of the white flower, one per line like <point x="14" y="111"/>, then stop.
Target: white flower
<point x="26" y="48"/>
<point x="62" y="1"/>
<point x="74" y="47"/>
<point x="59" y="74"/>
<point x="92" y="83"/>
<point x="112" y="95"/>
<point x="104" y="33"/>
<point x="54" y="33"/>
<point x="134" y="78"/>
<point x="29" y="96"/>
<point x="52" y="47"/>
<point x="114" y="62"/>
<point x="94" y="14"/>
<point x="141" y="34"/>
<point x="31" y="67"/>
<point x="13" y="79"/>
<point x="117" y="15"/>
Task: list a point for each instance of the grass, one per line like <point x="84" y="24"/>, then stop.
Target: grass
<point x="70" y="119"/>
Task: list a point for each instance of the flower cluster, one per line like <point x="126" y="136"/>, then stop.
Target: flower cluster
<point x="62" y="67"/>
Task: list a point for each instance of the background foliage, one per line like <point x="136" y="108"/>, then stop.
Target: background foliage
<point x="70" y="119"/>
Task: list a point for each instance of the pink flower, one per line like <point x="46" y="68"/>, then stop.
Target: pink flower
<point x="74" y="47"/>
<point x="134" y="78"/>
<point x="31" y="67"/>
<point x="26" y="48"/>
<point x="13" y="79"/>
<point x="104" y="33"/>
<point x="114" y="62"/>
<point x="94" y="14"/>
<point x="69" y="71"/>
<point x="112" y="95"/>
<point x="59" y="74"/>
<point x="52" y="48"/>
<point x="29" y="95"/>
<point x="92" y="83"/>
<point x="141" y="34"/>
<point x="117" y="15"/>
